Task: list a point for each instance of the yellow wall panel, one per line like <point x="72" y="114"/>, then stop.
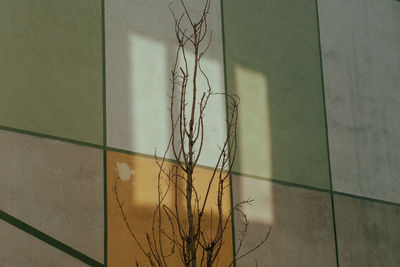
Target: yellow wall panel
<point x="137" y="189"/>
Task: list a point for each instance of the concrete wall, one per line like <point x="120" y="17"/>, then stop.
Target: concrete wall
<point x="84" y="92"/>
<point x="360" y="55"/>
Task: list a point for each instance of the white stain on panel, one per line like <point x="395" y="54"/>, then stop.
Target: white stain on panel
<point x="124" y="172"/>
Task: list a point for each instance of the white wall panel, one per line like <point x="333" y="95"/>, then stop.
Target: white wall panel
<point x="140" y="51"/>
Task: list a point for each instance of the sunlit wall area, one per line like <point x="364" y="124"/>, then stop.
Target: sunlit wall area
<point x="141" y="46"/>
<point x="85" y="91"/>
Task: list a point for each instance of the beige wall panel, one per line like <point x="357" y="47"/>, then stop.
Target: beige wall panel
<point x="55" y="187"/>
<point x="301" y="220"/>
<point x="18" y="249"/>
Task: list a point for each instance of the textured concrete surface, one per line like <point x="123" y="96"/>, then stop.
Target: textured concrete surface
<point x="360" y="46"/>
<point x="51" y="67"/>
<point x="140" y="51"/>
<point x="273" y="64"/>
<point x="137" y="188"/>
<point x="301" y="220"/>
<point x="18" y="248"/>
<point x="55" y="187"/>
<point x="368" y="233"/>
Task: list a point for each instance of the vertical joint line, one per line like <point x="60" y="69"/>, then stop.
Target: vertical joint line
<point x="104" y="127"/>
<point x="227" y="114"/>
<point x="326" y="133"/>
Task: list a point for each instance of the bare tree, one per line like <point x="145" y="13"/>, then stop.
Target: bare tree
<point x="184" y="230"/>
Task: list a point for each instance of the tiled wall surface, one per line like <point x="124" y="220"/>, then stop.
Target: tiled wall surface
<point x="84" y="87"/>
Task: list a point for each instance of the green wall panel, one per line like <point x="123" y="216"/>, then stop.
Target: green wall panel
<point x="51" y="67"/>
<point x="273" y="64"/>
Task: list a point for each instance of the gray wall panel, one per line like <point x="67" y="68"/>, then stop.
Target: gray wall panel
<point x="361" y="61"/>
<point x="301" y="220"/>
<point x="18" y="248"/>
<point x="368" y="233"/>
<point x="55" y="187"/>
